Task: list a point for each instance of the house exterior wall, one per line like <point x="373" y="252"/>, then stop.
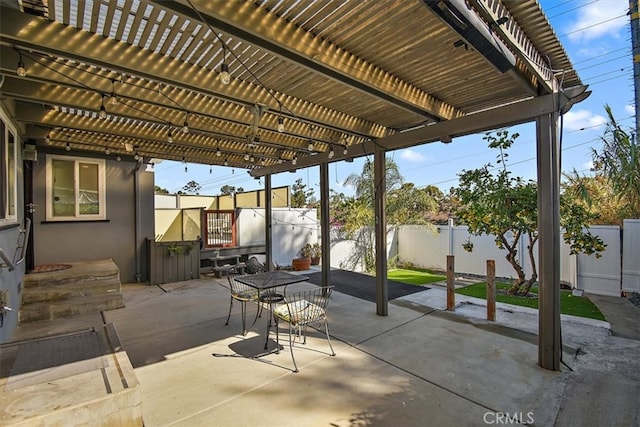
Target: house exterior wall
<point x="115" y="237"/>
<point x="11" y="281"/>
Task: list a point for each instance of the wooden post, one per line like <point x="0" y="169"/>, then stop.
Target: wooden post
<point x="451" y="294"/>
<point x="491" y="290"/>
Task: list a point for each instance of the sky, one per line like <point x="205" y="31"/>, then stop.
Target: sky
<point x="595" y="34"/>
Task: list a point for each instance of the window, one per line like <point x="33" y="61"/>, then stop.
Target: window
<point x="8" y="172"/>
<point x="75" y="188"/>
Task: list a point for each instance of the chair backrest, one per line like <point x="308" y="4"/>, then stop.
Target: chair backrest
<point x="254" y="266"/>
<point x="235" y="286"/>
<point x="308" y="306"/>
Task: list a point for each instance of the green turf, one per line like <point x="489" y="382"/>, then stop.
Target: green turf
<point x="414" y="277"/>
<point x="569" y="304"/>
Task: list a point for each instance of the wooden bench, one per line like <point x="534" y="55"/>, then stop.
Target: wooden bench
<point x="233" y="262"/>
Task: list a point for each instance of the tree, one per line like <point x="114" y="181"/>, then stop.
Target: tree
<point x="230" y="190"/>
<point x="364" y="185"/>
<point x="597" y="196"/>
<point x="159" y="190"/>
<point x="410" y="205"/>
<point x="619" y="162"/>
<point x="300" y="195"/>
<point x="191" y="187"/>
<point x="506" y="206"/>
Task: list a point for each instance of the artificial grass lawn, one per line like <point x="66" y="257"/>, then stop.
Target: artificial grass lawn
<point x="414" y="277"/>
<point x="569" y="304"/>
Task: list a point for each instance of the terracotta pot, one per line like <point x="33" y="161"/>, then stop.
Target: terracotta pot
<point x="315" y="260"/>
<point x="299" y="264"/>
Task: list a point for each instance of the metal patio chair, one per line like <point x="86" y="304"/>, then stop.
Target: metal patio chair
<point x="243" y="294"/>
<point x="300" y="310"/>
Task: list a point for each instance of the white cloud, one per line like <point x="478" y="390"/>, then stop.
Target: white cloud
<point x="412" y="156"/>
<point x="631" y="109"/>
<point x="599" y="19"/>
<point x="582" y="119"/>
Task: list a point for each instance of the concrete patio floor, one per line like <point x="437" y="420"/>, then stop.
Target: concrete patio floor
<point x="418" y="366"/>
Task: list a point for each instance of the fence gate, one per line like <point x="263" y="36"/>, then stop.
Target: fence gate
<point x="601" y="275"/>
<point x="220" y="229"/>
<point x="630" y="256"/>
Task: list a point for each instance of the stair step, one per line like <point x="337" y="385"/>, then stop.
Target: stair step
<point x="70" y="290"/>
<point x="79" y="272"/>
<point x="70" y="307"/>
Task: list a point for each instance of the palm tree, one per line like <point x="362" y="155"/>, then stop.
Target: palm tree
<point x="619" y="162"/>
<point x="364" y="184"/>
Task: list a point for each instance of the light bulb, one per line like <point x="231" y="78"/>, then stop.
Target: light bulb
<point x="345" y="151"/>
<point x="246" y="156"/>
<point x="185" y="127"/>
<point x="113" y="100"/>
<point x="294" y="161"/>
<point x="310" y="147"/>
<point x="103" y="112"/>
<point x="226" y="162"/>
<point x="280" y="124"/>
<point x="107" y="151"/>
<point x="118" y="158"/>
<point x="170" y="136"/>
<point x="47" y="139"/>
<point x="225" y="77"/>
<point x="331" y="153"/>
<point x="68" y="147"/>
<point x="218" y="152"/>
<point x="21" y="71"/>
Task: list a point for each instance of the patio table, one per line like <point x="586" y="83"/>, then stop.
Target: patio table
<point x="265" y="283"/>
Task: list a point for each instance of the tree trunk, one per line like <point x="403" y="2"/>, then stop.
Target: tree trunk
<point x="515" y="288"/>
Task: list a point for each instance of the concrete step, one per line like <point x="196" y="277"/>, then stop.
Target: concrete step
<point x="64" y="291"/>
<point x="49" y="310"/>
<point x="79" y="272"/>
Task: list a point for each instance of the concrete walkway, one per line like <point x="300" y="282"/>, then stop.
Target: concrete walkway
<point x="418" y="366"/>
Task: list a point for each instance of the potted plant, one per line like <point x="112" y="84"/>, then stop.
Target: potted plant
<point x="174" y="249"/>
<point x="313" y="251"/>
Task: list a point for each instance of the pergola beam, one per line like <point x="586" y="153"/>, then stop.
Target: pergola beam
<point x="507" y="115"/>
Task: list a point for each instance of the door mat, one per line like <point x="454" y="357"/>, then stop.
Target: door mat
<point x="48" y="268"/>
<point x="363" y="286"/>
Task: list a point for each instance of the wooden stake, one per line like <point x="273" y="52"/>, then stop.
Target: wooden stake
<point x="491" y="290"/>
<point x="451" y="294"/>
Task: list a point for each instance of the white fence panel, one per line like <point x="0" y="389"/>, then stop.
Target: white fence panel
<point x="601" y="276"/>
<point x="631" y="256"/>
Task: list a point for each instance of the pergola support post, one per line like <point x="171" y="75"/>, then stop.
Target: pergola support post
<point x="548" y="157"/>
<point x="380" y="190"/>
<point x="268" y="232"/>
<point x="325" y="231"/>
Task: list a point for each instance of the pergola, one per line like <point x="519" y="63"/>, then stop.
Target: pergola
<point x="277" y="85"/>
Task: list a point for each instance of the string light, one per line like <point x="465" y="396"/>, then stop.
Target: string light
<point x="103" y="111"/>
<point x="113" y="100"/>
<point x="294" y="161"/>
<point x="280" y="124"/>
<point x="118" y="158"/>
<point x="67" y="147"/>
<point x="21" y="71"/>
<point x="47" y="139"/>
<point x="170" y="135"/>
<point x="310" y="146"/>
<point x="225" y="77"/>
<point x="226" y="162"/>
<point x="107" y="151"/>
<point x="331" y="153"/>
<point x="185" y="127"/>
<point x="218" y="152"/>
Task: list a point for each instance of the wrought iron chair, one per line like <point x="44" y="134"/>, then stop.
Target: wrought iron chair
<point x="243" y="294"/>
<point x="300" y="310"/>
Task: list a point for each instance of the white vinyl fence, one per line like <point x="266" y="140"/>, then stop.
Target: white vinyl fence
<point x="631" y="256"/>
